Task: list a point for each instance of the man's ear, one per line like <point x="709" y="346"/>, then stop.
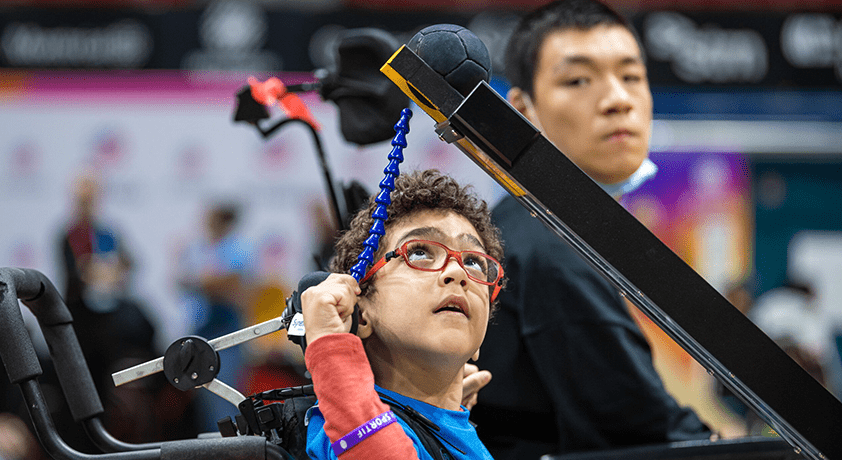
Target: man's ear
<point x="515" y="96"/>
<point x="364" y="328"/>
<point x="521" y="101"/>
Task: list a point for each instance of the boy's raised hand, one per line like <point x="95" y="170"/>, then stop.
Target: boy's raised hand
<point x="327" y="307"/>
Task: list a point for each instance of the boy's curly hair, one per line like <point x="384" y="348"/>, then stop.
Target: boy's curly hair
<point x="417" y="191"/>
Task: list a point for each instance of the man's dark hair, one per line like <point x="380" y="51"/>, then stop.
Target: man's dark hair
<point x="418" y="191"/>
<point x="533" y="29"/>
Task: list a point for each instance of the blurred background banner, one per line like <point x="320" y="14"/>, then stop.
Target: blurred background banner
<point x="747" y="134"/>
<point x="165" y="146"/>
<point x="763" y="43"/>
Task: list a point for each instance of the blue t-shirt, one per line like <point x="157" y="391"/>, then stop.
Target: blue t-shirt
<point x="232" y="254"/>
<point x="454" y="425"/>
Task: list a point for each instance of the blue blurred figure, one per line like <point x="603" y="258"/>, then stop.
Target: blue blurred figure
<point x="215" y="276"/>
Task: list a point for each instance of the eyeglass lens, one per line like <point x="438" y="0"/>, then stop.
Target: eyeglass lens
<point x="428" y="255"/>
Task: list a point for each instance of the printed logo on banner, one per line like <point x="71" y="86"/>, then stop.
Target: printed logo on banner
<point x="22" y="254"/>
<point x="813" y="41"/>
<point x="23" y="171"/>
<point x="24" y="161"/>
<point x="192" y="163"/>
<point x="232" y="34"/>
<point x="190" y="171"/>
<point x="110" y="156"/>
<point x="108" y="149"/>
<point x="706" y="54"/>
<point x="273" y="251"/>
<point x="123" y="44"/>
<point x="275" y="155"/>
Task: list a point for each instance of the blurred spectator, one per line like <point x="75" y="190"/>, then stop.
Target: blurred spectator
<point x="787" y="316"/>
<point x="113" y="329"/>
<point x="215" y="276"/>
<point x="110" y="323"/>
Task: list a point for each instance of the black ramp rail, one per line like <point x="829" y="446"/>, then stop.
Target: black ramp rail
<point x="504" y="144"/>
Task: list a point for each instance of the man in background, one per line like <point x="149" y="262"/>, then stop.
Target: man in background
<point x="113" y="327"/>
<point x="97" y="270"/>
<point x="215" y="276"/>
<point x="572" y="370"/>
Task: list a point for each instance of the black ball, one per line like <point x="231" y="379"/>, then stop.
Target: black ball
<point x="455" y="53"/>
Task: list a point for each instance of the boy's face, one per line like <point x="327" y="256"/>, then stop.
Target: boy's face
<point x="591" y="97"/>
<point x="407" y="311"/>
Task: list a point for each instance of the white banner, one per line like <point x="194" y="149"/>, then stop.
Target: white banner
<point x="166" y="146"/>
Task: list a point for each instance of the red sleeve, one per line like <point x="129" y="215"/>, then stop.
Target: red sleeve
<point x="344" y="385"/>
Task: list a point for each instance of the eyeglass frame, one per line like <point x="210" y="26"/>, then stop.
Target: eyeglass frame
<point x="401" y="251"/>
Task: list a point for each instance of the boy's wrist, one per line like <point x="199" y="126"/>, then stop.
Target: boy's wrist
<point x="312" y="338"/>
<point x="363" y="432"/>
<point x="343" y="382"/>
<point x="334" y="350"/>
<point x="315" y="330"/>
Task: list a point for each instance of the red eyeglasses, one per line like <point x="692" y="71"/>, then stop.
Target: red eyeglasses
<point x="431" y="256"/>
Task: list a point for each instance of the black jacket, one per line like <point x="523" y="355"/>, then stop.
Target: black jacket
<point x="571" y="369"/>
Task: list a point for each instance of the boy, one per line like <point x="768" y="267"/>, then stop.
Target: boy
<point x="423" y="312"/>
